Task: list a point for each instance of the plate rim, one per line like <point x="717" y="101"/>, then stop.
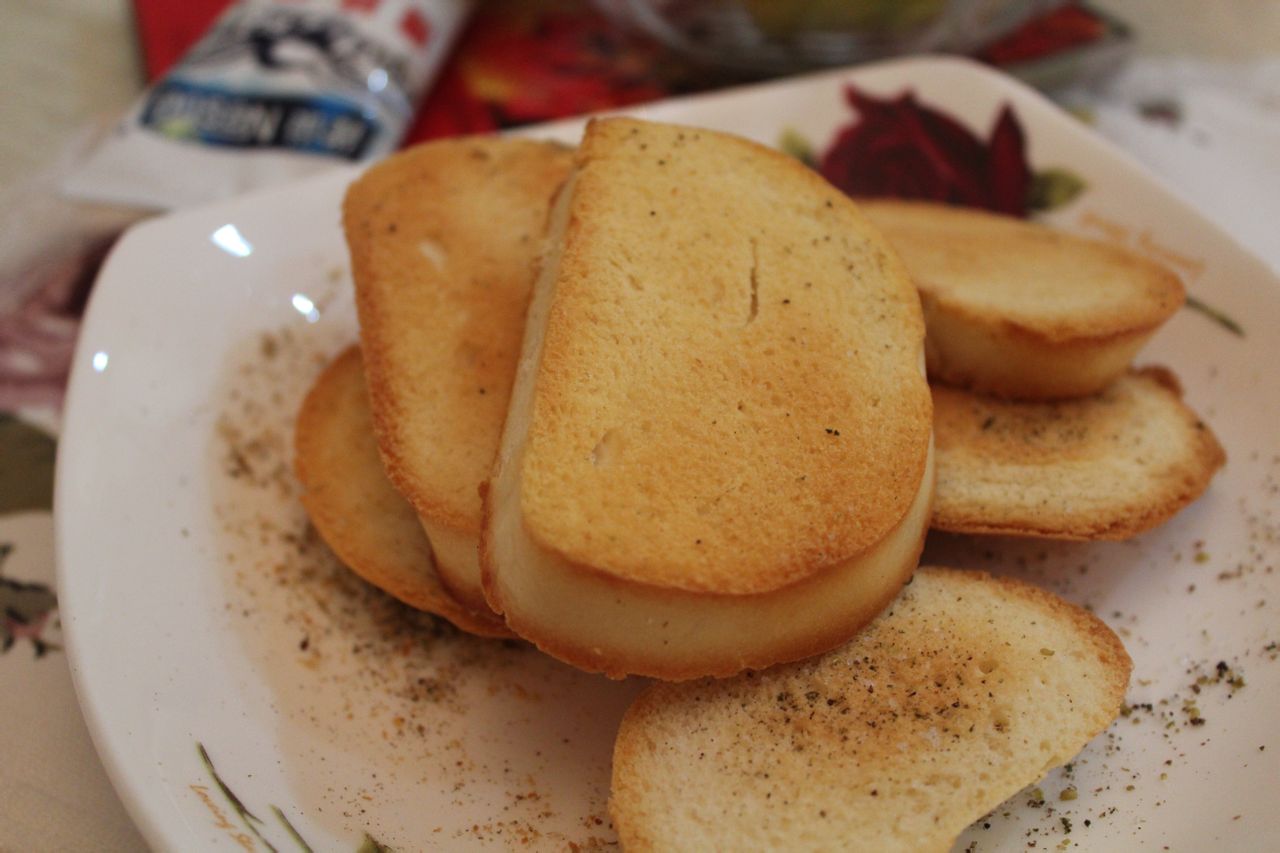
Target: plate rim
<point x="154" y="820"/>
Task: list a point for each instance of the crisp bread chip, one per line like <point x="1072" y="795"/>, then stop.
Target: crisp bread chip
<point x="1021" y="311"/>
<point x="353" y="506"/>
<point x="1107" y="466"/>
<point x="718" y="448"/>
<point x="442" y="240"/>
<point x="967" y="689"/>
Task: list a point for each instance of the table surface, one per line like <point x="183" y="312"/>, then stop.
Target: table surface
<point x="67" y="63"/>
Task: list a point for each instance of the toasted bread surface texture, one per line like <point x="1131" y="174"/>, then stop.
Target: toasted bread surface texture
<point x="965" y="690"/>
<point x="1107" y="466"/>
<point x="1020" y="310"/>
<point x="352" y="504"/>
<point x="442" y="240"/>
<point x="720" y="398"/>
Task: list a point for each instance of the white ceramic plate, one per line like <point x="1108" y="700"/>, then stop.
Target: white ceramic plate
<point x="197" y="611"/>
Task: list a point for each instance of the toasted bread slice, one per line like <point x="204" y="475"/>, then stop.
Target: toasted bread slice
<point x="1105" y="467"/>
<point x="718" y="449"/>
<point x="967" y="689"/>
<point x="354" y="507"/>
<point x="1022" y="311"/>
<point x="442" y="240"/>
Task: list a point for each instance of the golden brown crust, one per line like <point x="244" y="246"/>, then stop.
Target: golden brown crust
<point x="729" y="395"/>
<point x="965" y="690"/>
<point x="1018" y="310"/>
<point x="354" y="507"/>
<point x="1109" y="466"/>
<point x="442" y="239"/>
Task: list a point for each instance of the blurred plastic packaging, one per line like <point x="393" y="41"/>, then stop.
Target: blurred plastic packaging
<point x="276" y="89"/>
<point x="782" y="36"/>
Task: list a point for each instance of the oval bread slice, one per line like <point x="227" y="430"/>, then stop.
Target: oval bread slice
<point x="352" y="504"/>
<point x="442" y="240"/>
<point x="967" y="689"/>
<point x="717" y="454"/>
<point x="1022" y="311"/>
<point x="1105" y="467"/>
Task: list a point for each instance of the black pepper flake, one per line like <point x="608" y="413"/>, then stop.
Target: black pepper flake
<point x="831" y="431"/>
<point x="986" y="425"/>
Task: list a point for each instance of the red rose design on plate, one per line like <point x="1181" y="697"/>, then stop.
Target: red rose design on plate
<point x="901" y="148"/>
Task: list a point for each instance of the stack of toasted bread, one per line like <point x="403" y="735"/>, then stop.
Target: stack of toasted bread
<point x="1042" y="426"/>
<point x="658" y="405"/>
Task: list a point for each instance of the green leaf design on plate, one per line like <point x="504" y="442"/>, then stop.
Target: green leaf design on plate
<point x="1052" y="188"/>
<point x="248" y="818"/>
<point x="26" y="465"/>
<point x="372" y="845"/>
<point x="1215" y="315"/>
<point x="793" y="143"/>
<point x="293" y="833"/>
<point x="251" y="821"/>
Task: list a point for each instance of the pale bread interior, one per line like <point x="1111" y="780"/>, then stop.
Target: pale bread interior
<point x="458" y="560"/>
<point x="972" y="353"/>
<point x="1020" y="310"/>
<point x="965" y="690"/>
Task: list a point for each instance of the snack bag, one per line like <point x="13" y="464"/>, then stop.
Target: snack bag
<point x="275" y="90"/>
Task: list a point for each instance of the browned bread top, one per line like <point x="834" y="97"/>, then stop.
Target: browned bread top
<point x="354" y="507"/>
<point x="442" y="240"/>
<point x="1107" y="466"/>
<point x="729" y="396"/>
<point x="997" y="270"/>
